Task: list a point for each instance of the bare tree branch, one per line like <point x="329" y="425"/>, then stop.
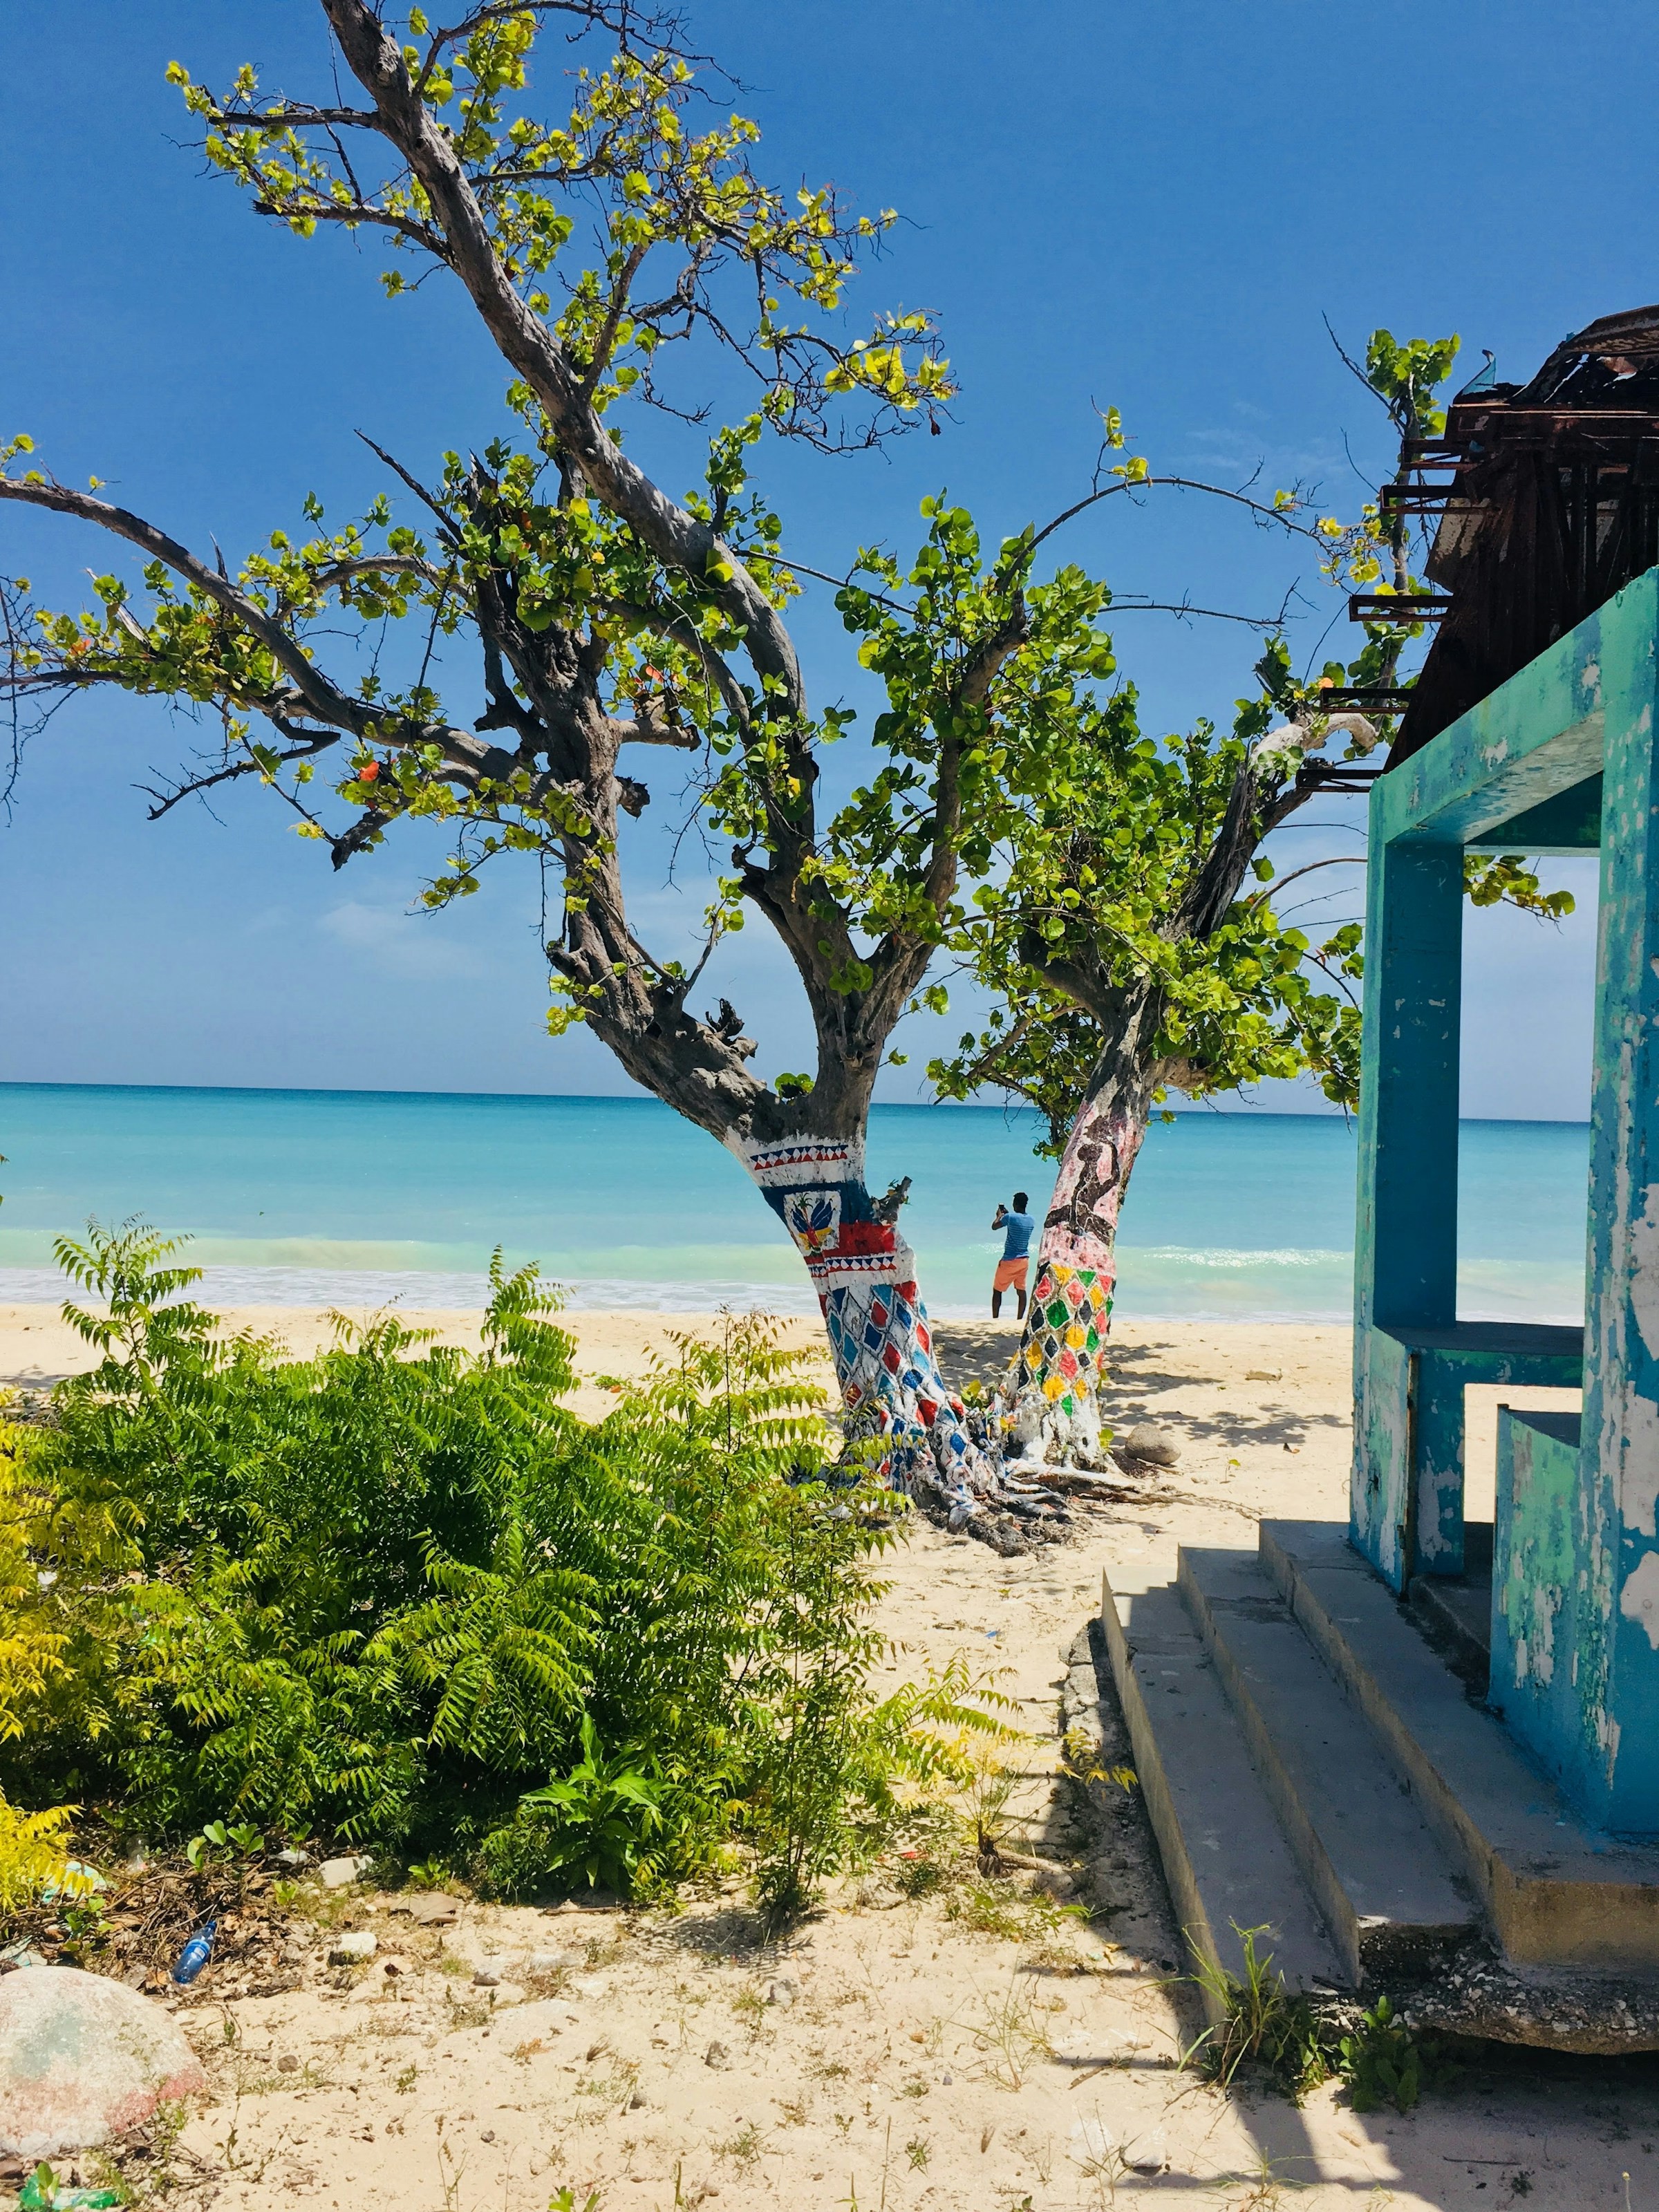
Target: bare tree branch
<point x="676" y="537"/>
<point x="194" y="786"/>
<point x="317" y="694"/>
<point x="1282" y="516"/>
<point x="1279" y="883"/>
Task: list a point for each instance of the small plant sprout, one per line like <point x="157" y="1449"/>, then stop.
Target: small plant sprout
<point x="1263" y="2022"/>
<point x="1009" y="2032"/>
<point x="744" y="2148"/>
<point x="1383" y="2062"/>
<point x="989" y="1783"/>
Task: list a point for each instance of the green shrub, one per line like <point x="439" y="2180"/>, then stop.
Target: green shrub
<point x="1384" y="2063"/>
<point x="399" y="1595"/>
<point x="596" y="1825"/>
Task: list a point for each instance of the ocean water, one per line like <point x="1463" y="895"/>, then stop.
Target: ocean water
<point x="361" y="1198"/>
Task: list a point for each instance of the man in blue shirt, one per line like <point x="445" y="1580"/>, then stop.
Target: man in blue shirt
<point x="1019" y="1229"/>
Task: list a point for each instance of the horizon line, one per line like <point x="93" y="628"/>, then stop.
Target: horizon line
<point x="632" y="1098"/>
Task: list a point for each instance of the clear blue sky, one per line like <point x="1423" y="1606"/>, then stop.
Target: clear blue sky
<point x="1145" y="204"/>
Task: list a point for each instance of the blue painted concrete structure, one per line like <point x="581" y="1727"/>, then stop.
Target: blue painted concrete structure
<point x="1546" y="1621"/>
<point x="1560" y="758"/>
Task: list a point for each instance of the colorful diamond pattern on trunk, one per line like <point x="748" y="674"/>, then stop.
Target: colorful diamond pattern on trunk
<point x="882" y="1341"/>
<point x="1065" y="1341"/>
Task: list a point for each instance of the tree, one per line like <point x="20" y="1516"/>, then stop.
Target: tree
<point x="1127" y="961"/>
<point x="1127" y="958"/>
<point x="605" y="614"/>
<point x="551" y="576"/>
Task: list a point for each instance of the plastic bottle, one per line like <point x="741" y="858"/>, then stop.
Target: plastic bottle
<point x="195" y="1954"/>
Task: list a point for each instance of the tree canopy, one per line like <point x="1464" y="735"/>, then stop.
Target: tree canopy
<point x="604" y="612"/>
<point x="1134" y="931"/>
<point x="606" y="250"/>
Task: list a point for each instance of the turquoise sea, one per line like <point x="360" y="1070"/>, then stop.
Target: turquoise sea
<point x="315" y="1197"/>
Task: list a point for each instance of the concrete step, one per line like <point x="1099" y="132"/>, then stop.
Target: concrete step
<point x="1385" y="1888"/>
<point x="1558" y="1891"/>
<point x="1455" y="1614"/>
<point x="1226" y="1860"/>
<point x="1455" y="1611"/>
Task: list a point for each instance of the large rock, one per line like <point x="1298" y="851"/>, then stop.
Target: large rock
<point x="340" y="1874"/>
<point x="84" y="2060"/>
<point x="1150" y="1443"/>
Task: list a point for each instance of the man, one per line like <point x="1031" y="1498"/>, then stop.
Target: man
<point x="1015" y="1253"/>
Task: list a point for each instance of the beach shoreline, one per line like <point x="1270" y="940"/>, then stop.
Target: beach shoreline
<point x="38" y="1348"/>
<point x="1262" y="1407"/>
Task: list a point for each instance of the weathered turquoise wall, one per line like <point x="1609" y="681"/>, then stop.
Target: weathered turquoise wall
<point x="1576" y="1628"/>
<point x="1617" y="1542"/>
<point x="1548" y="1642"/>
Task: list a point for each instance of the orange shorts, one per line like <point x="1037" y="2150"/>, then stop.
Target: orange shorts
<point x="1011" y="1274"/>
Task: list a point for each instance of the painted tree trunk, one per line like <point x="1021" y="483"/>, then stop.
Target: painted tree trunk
<point x="1054" y="1393"/>
<point x="864" y="1274"/>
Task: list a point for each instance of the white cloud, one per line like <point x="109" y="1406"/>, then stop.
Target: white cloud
<point x="396" y="942"/>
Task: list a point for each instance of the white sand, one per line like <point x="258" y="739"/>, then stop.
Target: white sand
<point x="38" y="1347"/>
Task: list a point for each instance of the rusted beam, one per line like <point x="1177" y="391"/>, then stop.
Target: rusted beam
<point x="1374" y="606"/>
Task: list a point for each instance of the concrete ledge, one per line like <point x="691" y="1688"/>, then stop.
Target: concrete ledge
<point x="1225" y="1858"/>
<point x="1557" y="1893"/>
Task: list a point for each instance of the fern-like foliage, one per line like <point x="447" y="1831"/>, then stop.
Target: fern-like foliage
<point x="398" y="1593"/>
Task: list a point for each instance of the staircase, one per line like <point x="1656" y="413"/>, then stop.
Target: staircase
<point x="1315" y="1762"/>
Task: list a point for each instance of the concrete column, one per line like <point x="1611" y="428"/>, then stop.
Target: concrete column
<point x="1405" y="1243"/>
<point x="1616" y="1753"/>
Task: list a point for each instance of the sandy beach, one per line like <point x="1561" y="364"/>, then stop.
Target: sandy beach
<point x="896" y="2050"/>
<point x="38" y="1347"/>
<point x="1235" y="1393"/>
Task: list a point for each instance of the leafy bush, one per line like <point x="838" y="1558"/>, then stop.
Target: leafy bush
<point x="595" y="1824"/>
<point x="31" y="1647"/>
<point x="33" y="1846"/>
<point x="1384" y="2063"/>
<point x="399" y="1594"/>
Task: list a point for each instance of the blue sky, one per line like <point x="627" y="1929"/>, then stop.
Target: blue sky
<point x="1146" y="206"/>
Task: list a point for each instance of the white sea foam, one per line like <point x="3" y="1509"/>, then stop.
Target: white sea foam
<point x="1184" y="1256"/>
<point x="1158" y="1281"/>
<point x="371" y="1290"/>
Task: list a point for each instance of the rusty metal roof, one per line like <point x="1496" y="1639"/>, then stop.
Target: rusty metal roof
<point x="1547" y="496"/>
